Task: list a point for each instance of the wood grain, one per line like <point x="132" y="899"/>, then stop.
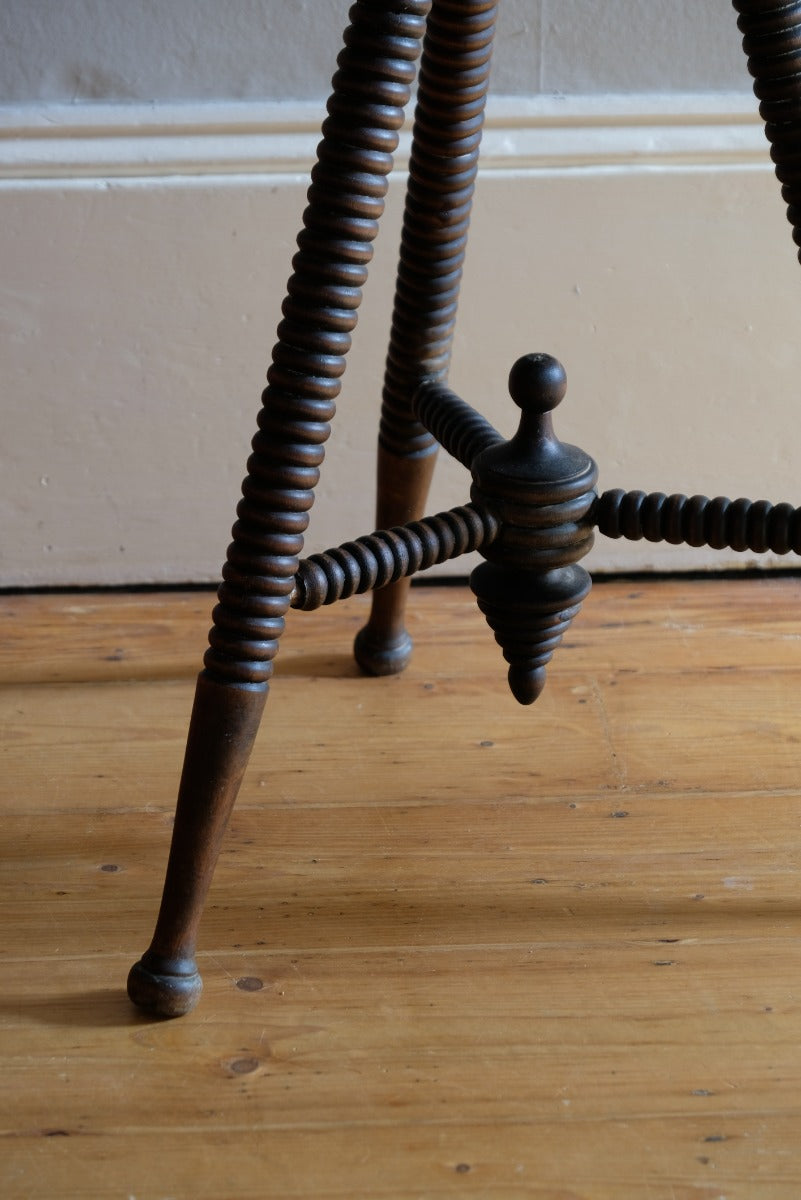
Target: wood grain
<point x="453" y="947"/>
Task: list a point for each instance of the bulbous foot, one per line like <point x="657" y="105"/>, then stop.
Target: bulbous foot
<point x="164" y="987"/>
<point x="382" y="656"/>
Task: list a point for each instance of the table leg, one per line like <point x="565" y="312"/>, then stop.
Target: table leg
<point x="453" y="81"/>
<point x="370" y="91"/>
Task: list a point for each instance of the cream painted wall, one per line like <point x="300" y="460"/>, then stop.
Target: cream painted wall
<point x="141" y="50"/>
<point x="147" y="218"/>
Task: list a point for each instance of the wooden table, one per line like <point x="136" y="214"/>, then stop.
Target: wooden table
<point x="533" y="505"/>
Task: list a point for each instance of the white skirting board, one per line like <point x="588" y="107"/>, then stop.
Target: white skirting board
<point x="145" y="251"/>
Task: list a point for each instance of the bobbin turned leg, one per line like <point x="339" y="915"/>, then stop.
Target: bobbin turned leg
<point x="454" y="75"/>
<point x="346" y="198"/>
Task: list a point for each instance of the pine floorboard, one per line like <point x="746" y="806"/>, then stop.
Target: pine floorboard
<point x="454" y="947"/>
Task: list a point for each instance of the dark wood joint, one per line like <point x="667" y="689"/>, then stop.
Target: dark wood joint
<point x="541" y="492"/>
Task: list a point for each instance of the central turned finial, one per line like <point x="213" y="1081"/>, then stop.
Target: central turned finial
<point x="537" y="383"/>
<point x="541" y="492"/>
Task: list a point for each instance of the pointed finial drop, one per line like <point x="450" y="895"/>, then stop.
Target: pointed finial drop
<point x="541" y="491"/>
<point x="526" y="684"/>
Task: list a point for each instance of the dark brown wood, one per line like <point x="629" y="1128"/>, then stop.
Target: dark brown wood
<point x="754" y="525"/>
<point x="540" y="492"/>
<point x="533" y="504"/>
<point x="225" y="719"/>
<point x="380" y="559"/>
<point x="383" y="646"/>
<point x="371" y="88"/>
<point x="452" y="89"/>
<point x="772" y="42"/>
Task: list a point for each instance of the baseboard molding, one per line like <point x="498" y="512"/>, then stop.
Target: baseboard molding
<point x="146" y="248"/>
<point x="67" y="143"/>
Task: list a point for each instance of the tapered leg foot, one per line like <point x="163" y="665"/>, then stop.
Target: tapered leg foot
<point x="225" y="719"/>
<point x="164" y="987"/>
<point x="383" y="646"/>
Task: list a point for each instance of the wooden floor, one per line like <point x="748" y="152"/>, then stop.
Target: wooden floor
<point x="454" y="947"/>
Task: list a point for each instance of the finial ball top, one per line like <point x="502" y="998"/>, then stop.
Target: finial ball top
<point x="537" y="383"/>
